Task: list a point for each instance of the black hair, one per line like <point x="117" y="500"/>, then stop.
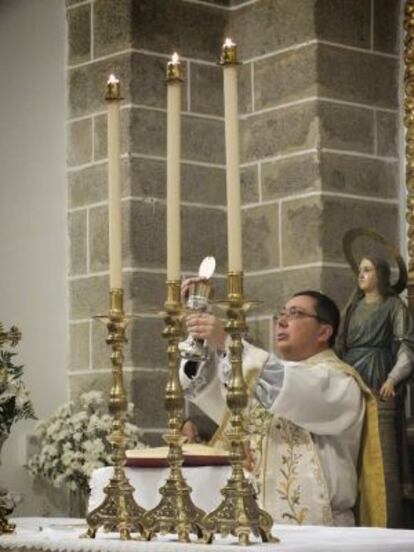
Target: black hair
<point x="326" y="310"/>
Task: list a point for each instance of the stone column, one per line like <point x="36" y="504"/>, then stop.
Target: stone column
<point x="319" y="114"/>
<point x="319" y="134"/>
<point x="135" y="40"/>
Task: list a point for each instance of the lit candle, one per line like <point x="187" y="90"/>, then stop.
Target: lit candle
<point x="174" y="79"/>
<point x="234" y="229"/>
<point x="113" y="97"/>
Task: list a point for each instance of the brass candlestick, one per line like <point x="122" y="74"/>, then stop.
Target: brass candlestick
<point x="238" y="514"/>
<point x="175" y="512"/>
<point x="118" y="511"/>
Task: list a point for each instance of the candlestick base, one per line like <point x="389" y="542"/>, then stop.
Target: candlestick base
<point x="175" y="512"/>
<point x="118" y="511"/>
<point x="239" y="513"/>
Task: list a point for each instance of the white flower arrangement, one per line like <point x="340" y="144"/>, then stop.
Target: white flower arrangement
<point x="74" y="443"/>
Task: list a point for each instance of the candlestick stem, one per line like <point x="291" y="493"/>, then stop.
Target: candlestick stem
<point x="238" y="514"/>
<point x="175" y="512"/>
<point x="118" y="511"/>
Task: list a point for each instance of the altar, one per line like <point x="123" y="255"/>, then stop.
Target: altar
<point x="62" y="535"/>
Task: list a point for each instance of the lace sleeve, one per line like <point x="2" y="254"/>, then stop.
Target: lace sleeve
<point x="270" y="381"/>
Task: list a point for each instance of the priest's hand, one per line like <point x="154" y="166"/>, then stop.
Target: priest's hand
<point x="387" y="389"/>
<point x="207" y="327"/>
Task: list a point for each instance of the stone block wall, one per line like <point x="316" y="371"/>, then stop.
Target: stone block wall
<point x="319" y="133"/>
<point x="320" y="115"/>
<point x="134" y="40"/>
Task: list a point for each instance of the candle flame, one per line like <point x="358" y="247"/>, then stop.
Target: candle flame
<point x="175" y="59"/>
<point x="229" y="43"/>
<point x="112" y="79"/>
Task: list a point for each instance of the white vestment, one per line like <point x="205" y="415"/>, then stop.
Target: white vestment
<point x="313" y="439"/>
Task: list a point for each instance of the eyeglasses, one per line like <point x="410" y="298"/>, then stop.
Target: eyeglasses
<point x="296" y="314"/>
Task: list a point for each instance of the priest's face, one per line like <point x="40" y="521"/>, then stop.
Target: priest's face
<point x="299" y="332"/>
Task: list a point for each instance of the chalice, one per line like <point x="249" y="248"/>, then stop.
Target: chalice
<point x="198" y="300"/>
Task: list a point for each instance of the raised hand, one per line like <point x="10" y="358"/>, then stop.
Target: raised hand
<point x="207" y="327"/>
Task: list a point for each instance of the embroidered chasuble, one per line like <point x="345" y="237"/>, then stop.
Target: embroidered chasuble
<point x="313" y="434"/>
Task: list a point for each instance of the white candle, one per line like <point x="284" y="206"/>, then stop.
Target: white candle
<point x="113" y="98"/>
<point x="234" y="227"/>
<point x="174" y="79"/>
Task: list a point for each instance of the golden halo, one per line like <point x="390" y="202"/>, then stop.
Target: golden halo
<point x="348" y="240"/>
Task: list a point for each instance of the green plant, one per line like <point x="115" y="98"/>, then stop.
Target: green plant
<point x="15" y="403"/>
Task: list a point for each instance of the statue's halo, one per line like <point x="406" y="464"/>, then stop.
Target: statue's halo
<point x="348" y="240"/>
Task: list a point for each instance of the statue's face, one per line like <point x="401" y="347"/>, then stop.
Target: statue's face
<point x="367" y="277"/>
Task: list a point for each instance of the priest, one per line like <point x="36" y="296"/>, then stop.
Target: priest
<point x="314" y="450"/>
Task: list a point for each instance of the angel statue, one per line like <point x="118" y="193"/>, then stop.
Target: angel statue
<point x="377" y="336"/>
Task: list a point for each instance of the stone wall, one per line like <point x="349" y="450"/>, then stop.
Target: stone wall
<point x="319" y="139"/>
<point x="135" y="40"/>
<point x="319" y="126"/>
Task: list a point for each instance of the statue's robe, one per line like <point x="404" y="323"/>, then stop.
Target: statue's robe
<point x="378" y="341"/>
<point x="306" y="421"/>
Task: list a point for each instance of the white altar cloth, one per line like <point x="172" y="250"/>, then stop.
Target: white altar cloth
<point x="62" y="535"/>
<point x="205" y="481"/>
